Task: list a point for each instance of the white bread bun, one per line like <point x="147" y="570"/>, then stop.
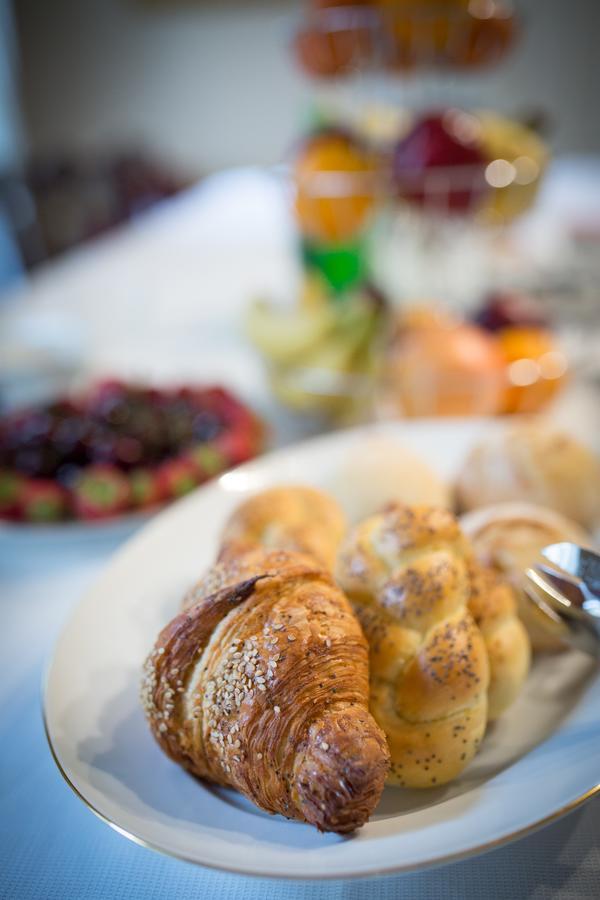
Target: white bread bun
<point x="534" y="462"/>
<point x="508" y="537"/>
<point x="379" y="471"/>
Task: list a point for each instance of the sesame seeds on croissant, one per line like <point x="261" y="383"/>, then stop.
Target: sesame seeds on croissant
<point x="262" y="685"/>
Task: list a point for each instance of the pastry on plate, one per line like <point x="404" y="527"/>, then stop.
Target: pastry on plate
<point x="262" y="686"/>
<point x="493" y="605"/>
<point x="406" y="570"/>
<point x="378" y="471"/>
<point x="533" y="462"/>
<point x="296" y="518"/>
<point x="508" y="537"/>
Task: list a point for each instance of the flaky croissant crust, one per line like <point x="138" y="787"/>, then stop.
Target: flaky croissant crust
<point x="262" y="685"/>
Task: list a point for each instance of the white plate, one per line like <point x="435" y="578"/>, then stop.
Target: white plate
<point x="539" y="761"/>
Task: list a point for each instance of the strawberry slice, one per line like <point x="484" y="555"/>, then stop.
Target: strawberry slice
<point x="237" y="445"/>
<point x="177" y="477"/>
<point x="101" y="491"/>
<point x="208" y="459"/>
<point x="145" y="488"/>
<point x="43" y="500"/>
<point x="11" y="487"/>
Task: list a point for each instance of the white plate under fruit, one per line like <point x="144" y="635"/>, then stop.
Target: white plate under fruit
<point x="539" y="761"/>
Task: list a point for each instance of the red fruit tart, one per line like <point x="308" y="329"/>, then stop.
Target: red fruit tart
<point x="120" y="447"/>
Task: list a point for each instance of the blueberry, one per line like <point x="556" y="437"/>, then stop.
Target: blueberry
<point x="67" y="474"/>
<point x="205" y="426"/>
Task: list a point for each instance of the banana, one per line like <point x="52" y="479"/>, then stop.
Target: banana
<point x="328" y="376"/>
<point x="314" y="294"/>
<point x="284" y="336"/>
<point x="320" y="352"/>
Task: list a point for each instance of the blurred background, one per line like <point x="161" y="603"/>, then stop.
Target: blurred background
<point x="193" y="87"/>
<point x="205" y="85"/>
<point x="336" y="212"/>
<point x="228" y="226"/>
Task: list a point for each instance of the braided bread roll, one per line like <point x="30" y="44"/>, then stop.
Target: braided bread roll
<point x="493" y="605"/>
<point x="261" y="684"/>
<point x="406" y="572"/>
<point x="294" y="518"/>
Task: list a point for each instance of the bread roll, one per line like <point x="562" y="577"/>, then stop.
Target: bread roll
<point x="508" y="537"/>
<point x="299" y="519"/>
<point x="377" y="471"/>
<point x="493" y="605"/>
<point x="406" y="572"/>
<point x="533" y="462"/>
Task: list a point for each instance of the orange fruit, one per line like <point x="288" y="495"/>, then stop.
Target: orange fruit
<point x="335" y="187"/>
<point x="335" y="43"/>
<point x="325" y="53"/>
<point x="486" y="41"/>
<point x="417" y="32"/>
<point x="426" y="32"/>
<point x="536" y="368"/>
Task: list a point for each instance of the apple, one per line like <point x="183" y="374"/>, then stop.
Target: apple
<point x="440" y="165"/>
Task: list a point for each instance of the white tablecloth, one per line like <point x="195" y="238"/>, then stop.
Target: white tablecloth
<point x="53" y="848"/>
<point x="164" y="300"/>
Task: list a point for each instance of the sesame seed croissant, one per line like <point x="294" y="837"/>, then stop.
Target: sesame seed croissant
<point x="261" y="684"/>
<point x="406" y="572"/>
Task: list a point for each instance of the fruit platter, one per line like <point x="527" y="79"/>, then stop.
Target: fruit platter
<point x="340" y="38"/>
<point x="369" y="211"/>
<point x="118" y="449"/>
<point x="442" y="162"/>
<point x="353" y="357"/>
<point x="405" y="189"/>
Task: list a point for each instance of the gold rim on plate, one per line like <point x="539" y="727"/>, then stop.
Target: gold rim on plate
<point x="392" y="870"/>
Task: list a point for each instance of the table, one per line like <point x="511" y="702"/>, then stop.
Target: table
<point x="142" y="309"/>
<point x="52" y="847"/>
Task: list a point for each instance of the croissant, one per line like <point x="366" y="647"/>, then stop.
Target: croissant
<point x="406" y="572"/>
<point x="293" y="518"/>
<point x="261" y="684"/>
<point x="493" y="605"/>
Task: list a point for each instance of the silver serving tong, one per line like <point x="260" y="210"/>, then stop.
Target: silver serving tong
<point x="566" y="587"/>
